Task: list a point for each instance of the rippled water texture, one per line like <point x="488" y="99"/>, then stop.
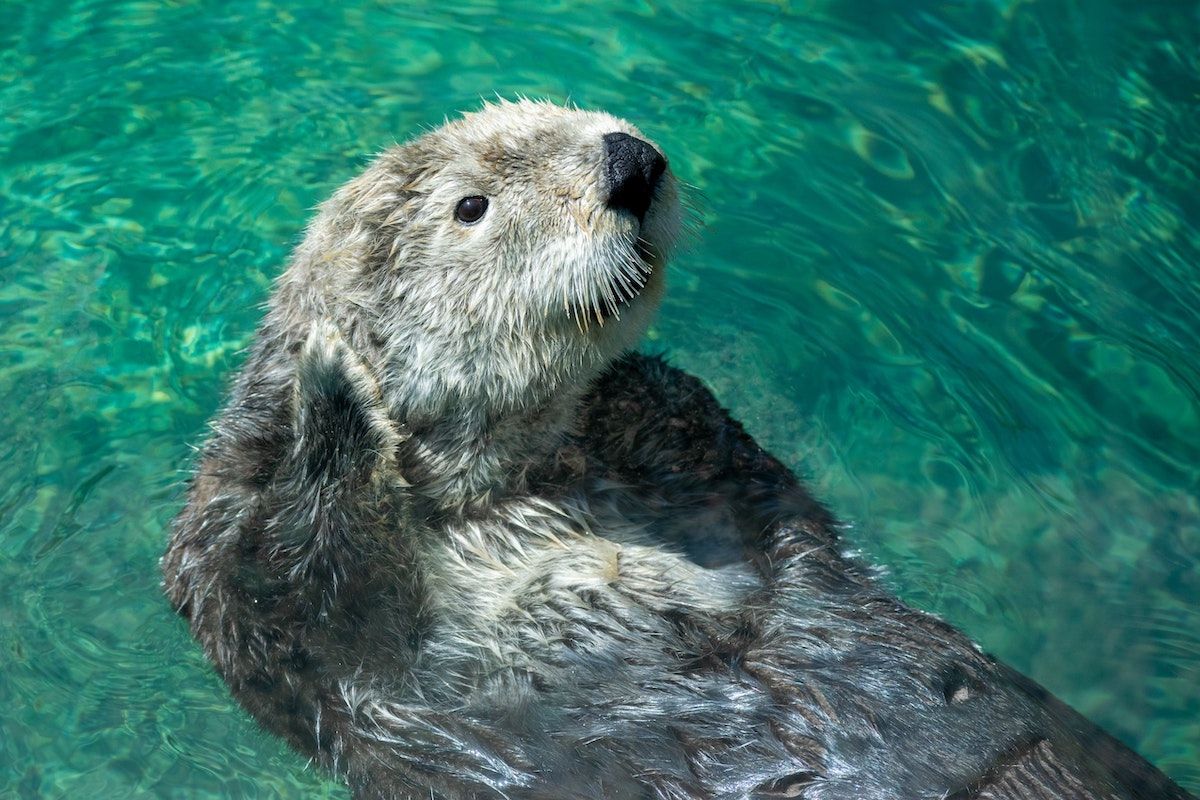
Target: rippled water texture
<point x="949" y="271"/>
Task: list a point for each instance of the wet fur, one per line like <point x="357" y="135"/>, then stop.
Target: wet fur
<point x="449" y="542"/>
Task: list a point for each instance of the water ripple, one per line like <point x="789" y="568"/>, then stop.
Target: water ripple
<point x="948" y="271"/>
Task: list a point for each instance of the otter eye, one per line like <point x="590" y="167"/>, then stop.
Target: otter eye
<point x="470" y="209"/>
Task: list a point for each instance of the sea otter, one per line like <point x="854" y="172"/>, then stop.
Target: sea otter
<point x="452" y="541"/>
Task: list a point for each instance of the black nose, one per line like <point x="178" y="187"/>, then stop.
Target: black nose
<point x="633" y="169"/>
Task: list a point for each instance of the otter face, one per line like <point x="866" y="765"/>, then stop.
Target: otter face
<point x="499" y="258"/>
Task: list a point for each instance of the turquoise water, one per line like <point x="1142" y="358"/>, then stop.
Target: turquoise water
<point x="950" y="271"/>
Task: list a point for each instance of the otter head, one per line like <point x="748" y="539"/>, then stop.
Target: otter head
<point x="488" y="270"/>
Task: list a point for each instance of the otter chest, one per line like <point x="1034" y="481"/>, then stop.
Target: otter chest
<point x="537" y="582"/>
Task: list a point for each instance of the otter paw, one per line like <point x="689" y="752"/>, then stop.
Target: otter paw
<point x="339" y="417"/>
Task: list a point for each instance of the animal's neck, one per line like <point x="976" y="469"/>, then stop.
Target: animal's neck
<point x="467" y="458"/>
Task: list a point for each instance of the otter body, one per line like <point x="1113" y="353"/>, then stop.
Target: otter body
<point x="449" y="540"/>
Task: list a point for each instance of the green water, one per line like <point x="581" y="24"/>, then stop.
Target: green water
<point x="950" y="271"/>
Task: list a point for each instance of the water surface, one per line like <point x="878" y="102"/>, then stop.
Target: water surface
<point x="949" y="272"/>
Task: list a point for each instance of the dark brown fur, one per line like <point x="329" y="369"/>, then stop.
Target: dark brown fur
<point x="841" y="669"/>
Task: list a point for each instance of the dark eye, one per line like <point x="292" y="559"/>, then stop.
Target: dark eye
<point x="470" y="209"/>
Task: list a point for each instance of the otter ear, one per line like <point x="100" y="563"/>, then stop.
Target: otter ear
<point x="340" y="422"/>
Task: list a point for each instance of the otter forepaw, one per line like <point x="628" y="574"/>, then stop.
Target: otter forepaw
<point x="339" y="416"/>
